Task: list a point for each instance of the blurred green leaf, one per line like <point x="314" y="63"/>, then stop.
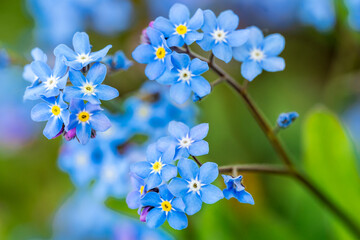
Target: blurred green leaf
<point x="330" y="160"/>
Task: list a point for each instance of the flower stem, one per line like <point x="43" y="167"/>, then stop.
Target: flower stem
<point x="196" y="160"/>
<point x="261" y="168"/>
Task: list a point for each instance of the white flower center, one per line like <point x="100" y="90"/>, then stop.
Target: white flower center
<point x="185" y="142"/>
<point x="143" y="111"/>
<point x="83" y="58"/>
<point x="88" y="89"/>
<point x="257" y="55"/>
<point x="195" y="186"/>
<point x="185" y="75"/>
<point x="219" y="35"/>
<point x="51" y="82"/>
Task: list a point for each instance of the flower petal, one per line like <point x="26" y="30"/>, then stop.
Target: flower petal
<point x="151" y="199"/>
<point x="250" y="70"/>
<point x="177" y="220"/>
<point x="207" y="42"/>
<point x="100" y="122"/>
<point x="155" y="218"/>
<point x="72" y="92"/>
<point x="133" y="200"/>
<point x="223" y="51"/>
<point x="199" y="148"/>
<point x="153" y="181"/>
<point x="198" y="66"/>
<point x="180" y="60"/>
<point x="60" y="68"/>
<point x="178" y="187"/>
<point x="63" y="50"/>
<point x="41" y="70"/>
<point x="178" y="129"/>
<point x="41" y="112"/>
<point x="180" y="92"/>
<point x="197" y="20"/>
<point x="164" y="25"/>
<point x="83" y="132"/>
<point x="199" y="132"/>
<point x="228" y="21"/>
<point x="241" y="53"/>
<point x="238" y="37"/>
<point x="105" y="92"/>
<point x="96" y="74"/>
<point x="154" y="69"/>
<point x="192" y="36"/>
<point x="175" y="40"/>
<point x="209" y="171"/>
<point x="210" y="22"/>
<point x="97" y="56"/>
<point x="200" y="86"/>
<point x="168" y="172"/>
<point x="179" y="14"/>
<point x="53" y="127"/>
<point x="144" y="54"/>
<point x="273" y="64"/>
<point x="211" y="194"/>
<point x="188" y="169"/>
<point x="141" y="169"/>
<point x="256" y="36"/>
<point x="77" y="78"/>
<point x="274" y="44"/>
<point x="81" y="43"/>
<point x="193" y="203"/>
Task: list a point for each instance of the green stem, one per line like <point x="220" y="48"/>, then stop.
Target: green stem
<point x="261" y="168"/>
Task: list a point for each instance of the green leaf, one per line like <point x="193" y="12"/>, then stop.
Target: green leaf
<point x="330" y="161"/>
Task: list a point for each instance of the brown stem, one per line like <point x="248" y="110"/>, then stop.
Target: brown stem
<point x="197" y="160"/>
<point x="261" y="168"/>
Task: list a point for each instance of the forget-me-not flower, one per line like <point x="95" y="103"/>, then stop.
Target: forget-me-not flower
<point x="81" y="56"/>
<point x="260" y="53"/>
<point x="157" y="55"/>
<point x="320" y="14"/>
<point x="118" y="61"/>
<point x="220" y="35"/>
<point x="133" y="198"/>
<point x="185" y="141"/>
<point x="85" y="117"/>
<point x="179" y="28"/>
<point x="55" y="112"/>
<point x="89" y="88"/>
<point x="194" y="186"/>
<point x="286" y="119"/>
<point x="235" y="189"/>
<point x="38" y="55"/>
<point x="165" y="207"/>
<point x="185" y="77"/>
<point x="157" y="168"/>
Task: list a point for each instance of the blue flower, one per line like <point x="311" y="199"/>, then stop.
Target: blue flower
<point x="286" y="119"/>
<point x="118" y="61"/>
<point x="38" y="55"/>
<point x="82" y="56"/>
<point x="89" y="88"/>
<point x="185" y="77"/>
<point x="86" y="117"/>
<point x="133" y="198"/>
<point x="55" y="112"/>
<point x="157" y="168"/>
<point x="353" y="7"/>
<point x="185" y="141"/>
<point x="319" y="13"/>
<point x="235" y="189"/>
<point x="195" y="185"/>
<point x="259" y="53"/>
<point x="179" y="28"/>
<point x="165" y="207"/>
<point x="220" y="35"/>
<point x="157" y="55"/>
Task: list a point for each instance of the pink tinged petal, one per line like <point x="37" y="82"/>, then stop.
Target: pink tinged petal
<point x="71" y="134"/>
<point x="144" y="213"/>
<point x="180" y="92"/>
<point x="199" y="132"/>
<point x="105" y="92"/>
<point x="200" y="86"/>
<point x="250" y="70"/>
<point x="188" y="169"/>
<point x="177" y="220"/>
<point x="273" y="64"/>
<point x="210" y="194"/>
<point x="178" y="130"/>
<point x="155" y="218"/>
<point x="274" y="44"/>
<point x="81" y="43"/>
<point x="228" y="21"/>
<point x="193" y="203"/>
<point x="208" y="172"/>
<point x="209" y="21"/>
<point x="100" y="122"/>
<point x="41" y="112"/>
<point x="96" y="74"/>
<point x="199" y="148"/>
<point x="238" y="38"/>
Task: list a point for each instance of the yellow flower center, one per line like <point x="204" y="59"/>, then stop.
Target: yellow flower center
<point x="157" y="166"/>
<point x="55" y="110"/>
<point x="166" y="206"/>
<point x="83" y="116"/>
<point x="181" y="29"/>
<point x="142" y="190"/>
<point x="160" y="53"/>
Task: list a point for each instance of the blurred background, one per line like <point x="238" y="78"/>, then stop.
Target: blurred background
<point x="61" y="190"/>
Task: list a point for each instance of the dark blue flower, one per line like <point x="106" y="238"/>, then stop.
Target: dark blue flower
<point x="55" y="112"/>
<point x="220" y="35"/>
<point x="85" y="117"/>
<point x="118" y="61"/>
<point x="89" y="88"/>
<point x="195" y="185"/>
<point x="179" y="28"/>
<point x="259" y="53"/>
<point x="185" y="77"/>
<point x="81" y="56"/>
<point x="235" y="189"/>
<point x="157" y="55"/>
<point x="286" y="119"/>
<point x="165" y="207"/>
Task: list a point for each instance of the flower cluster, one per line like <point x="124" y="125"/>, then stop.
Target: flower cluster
<point x="286" y="119"/>
<point x="70" y="110"/>
<point x="169" y="64"/>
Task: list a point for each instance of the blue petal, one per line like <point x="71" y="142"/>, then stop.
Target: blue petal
<point x="178" y="187"/>
<point x="229" y="193"/>
<point x="179" y="14"/>
<point x="144" y="54"/>
<point x="188" y="169"/>
<point x="155" y="218"/>
<point x="153" y="181"/>
<point x="241" y="53"/>
<point x="198" y="67"/>
<point x="151" y="199"/>
<point x="105" y="92"/>
<point x="199" y="132"/>
<point x="133" y="199"/>
<point x="244" y="197"/>
<point x="76" y="105"/>
<point x="228" y="21"/>
<point x="53" y="127"/>
<point x="96" y="74"/>
<point x="256" y="36"/>
<point x="175" y="40"/>
<point x="38" y="55"/>
<point x="164" y="192"/>
<point x="91" y="98"/>
<point x="75" y="64"/>
<point x="34" y="91"/>
<point x="210" y="22"/>
<point x="41" y="112"/>
<point x="60" y="68"/>
<point x="197" y="20"/>
<point x="182" y="153"/>
<point x="180" y="61"/>
<point x="166" y="143"/>
<point x="168" y="172"/>
<point x="177" y="220"/>
<point x="178" y="129"/>
<point x="156" y="37"/>
<point x="180" y="92"/>
<point x="238" y="37"/>
<point x="178" y="204"/>
<point x="168" y="78"/>
<point x="41" y="70"/>
<point x="207" y="43"/>
<point x="193" y="203"/>
<point x="62" y="81"/>
<point x="100" y="122"/>
<point x="63" y="50"/>
<point x="141" y="169"/>
<point x="200" y="86"/>
<point x="152" y="153"/>
<point x="28" y="74"/>
<point x="274" y="44"/>
<point x="65" y="114"/>
<point x="83" y="132"/>
<point x="250" y="70"/>
<point x="273" y="64"/>
<point x="191" y="37"/>
<point x="208" y="172"/>
<point x="97" y="56"/>
<point x="199" y="148"/>
<point x="77" y="78"/>
<point x="154" y="69"/>
<point x="164" y="25"/>
<point x="223" y="51"/>
<point x="81" y="43"/>
<point x="211" y="194"/>
<point x="92" y="108"/>
<point x="168" y="155"/>
<point x="72" y="92"/>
